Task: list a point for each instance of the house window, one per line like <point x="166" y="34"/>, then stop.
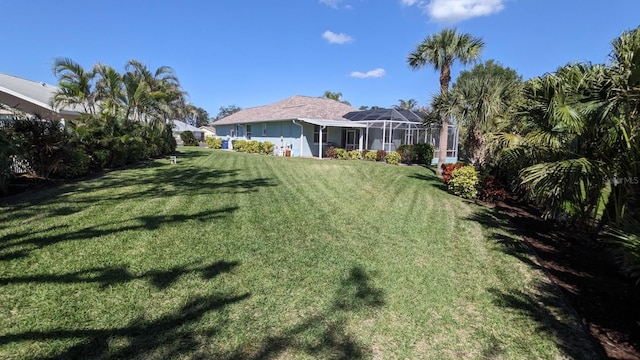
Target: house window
<point x="316" y="134"/>
<point x="248" y="132"/>
<point x="264" y="129"/>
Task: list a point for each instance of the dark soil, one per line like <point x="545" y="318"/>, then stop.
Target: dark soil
<point x="607" y="302"/>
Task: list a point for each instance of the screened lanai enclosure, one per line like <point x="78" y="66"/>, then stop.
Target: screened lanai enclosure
<point x="387" y="129"/>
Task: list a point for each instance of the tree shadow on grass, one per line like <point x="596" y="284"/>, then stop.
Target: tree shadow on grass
<point x="22" y="244"/>
<point x="165" y="337"/>
<point x="112" y="275"/>
<point x="551" y="314"/>
<point x="544" y="303"/>
<point x="323" y="335"/>
<point x="155" y="180"/>
<point x="430" y="180"/>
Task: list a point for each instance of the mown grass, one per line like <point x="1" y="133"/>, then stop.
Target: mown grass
<point x="237" y="256"/>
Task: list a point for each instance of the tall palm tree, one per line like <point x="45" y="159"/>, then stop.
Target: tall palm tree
<point x="109" y="89"/>
<point x="76" y="85"/>
<point x="441" y="50"/>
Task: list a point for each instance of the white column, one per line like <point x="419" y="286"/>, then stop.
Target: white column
<point x="320" y="141"/>
<point x="360" y="140"/>
<point x="384" y="133"/>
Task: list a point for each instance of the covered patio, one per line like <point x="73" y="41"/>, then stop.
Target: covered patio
<point x="387" y="129"/>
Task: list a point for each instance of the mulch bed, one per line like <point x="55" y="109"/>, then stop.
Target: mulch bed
<point x="607" y="302"/>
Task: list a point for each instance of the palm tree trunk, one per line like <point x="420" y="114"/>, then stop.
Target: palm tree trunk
<point x="445" y="78"/>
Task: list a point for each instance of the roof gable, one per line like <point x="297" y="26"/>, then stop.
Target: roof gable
<point x="295" y="107"/>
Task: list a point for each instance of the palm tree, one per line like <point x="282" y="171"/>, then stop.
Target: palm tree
<point x="441" y="50"/>
<point x="337" y="96"/>
<point x="410" y="104"/>
<point x="109" y="89"/>
<point x="76" y="85"/>
<point x="485" y="98"/>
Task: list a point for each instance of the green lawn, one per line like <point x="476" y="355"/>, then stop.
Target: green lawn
<point x="234" y="256"/>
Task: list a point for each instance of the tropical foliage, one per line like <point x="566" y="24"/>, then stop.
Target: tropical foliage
<point x="574" y="147"/>
<point x="125" y="120"/>
<point x="440" y="51"/>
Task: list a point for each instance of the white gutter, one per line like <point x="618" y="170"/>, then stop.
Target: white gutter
<point x="301" y="136"/>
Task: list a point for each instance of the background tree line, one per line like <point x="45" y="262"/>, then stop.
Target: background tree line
<point x="126" y="117"/>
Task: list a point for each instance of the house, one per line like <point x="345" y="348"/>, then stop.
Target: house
<point x="309" y="125"/>
<point x="180" y="126"/>
<point x="208" y="131"/>
<point x="32" y="98"/>
<point x="305" y="125"/>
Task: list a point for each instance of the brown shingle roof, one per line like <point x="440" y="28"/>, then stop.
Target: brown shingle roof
<point x="295" y="107"/>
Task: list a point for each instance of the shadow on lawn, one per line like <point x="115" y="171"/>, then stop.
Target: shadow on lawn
<point x="323" y="335"/>
<point x="544" y="303"/>
<point x="153" y="180"/>
<point x="112" y="275"/>
<point x="168" y="336"/>
<point x="21" y="244"/>
<point x="430" y="178"/>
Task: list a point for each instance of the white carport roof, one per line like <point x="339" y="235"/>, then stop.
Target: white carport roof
<point x="334" y="123"/>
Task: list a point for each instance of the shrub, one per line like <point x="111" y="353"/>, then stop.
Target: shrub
<point x="239" y="145"/>
<point x="214" y="143"/>
<point x="371" y="155"/>
<point x="101" y="158"/>
<point x="423" y="153"/>
<point x="407" y="154"/>
<point x="381" y="155"/>
<point x="492" y="190"/>
<point x="75" y="163"/>
<point x="464" y="182"/>
<point x="341" y="154"/>
<point x="188" y="138"/>
<point x="331" y="152"/>
<point x="447" y="170"/>
<point x="5" y="161"/>
<point x="252" y="147"/>
<point x="393" y="158"/>
<point x="355" y="155"/>
<point x="266" y="148"/>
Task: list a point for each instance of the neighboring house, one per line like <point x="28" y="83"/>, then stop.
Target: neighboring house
<point x="180" y="126"/>
<point x="309" y="125"/>
<point x="32" y="98"/>
<point x="209" y="131"/>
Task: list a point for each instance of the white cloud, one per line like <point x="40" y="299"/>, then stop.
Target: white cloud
<point x="408" y="2"/>
<point x="331" y="3"/>
<point x="334" y="38"/>
<point x="452" y="11"/>
<point x="375" y="73"/>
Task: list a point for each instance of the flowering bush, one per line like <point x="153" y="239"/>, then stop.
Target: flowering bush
<point x="464" y="182"/>
<point x="447" y="170"/>
<point x="393" y="158"/>
<point x="371" y="155"/>
<point x="342" y="154"/>
<point x="355" y="155"/>
<point x="213" y="143"/>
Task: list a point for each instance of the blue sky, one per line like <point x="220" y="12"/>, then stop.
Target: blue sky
<point x="255" y="52"/>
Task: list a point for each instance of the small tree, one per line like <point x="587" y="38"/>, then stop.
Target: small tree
<point x="188" y="138"/>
